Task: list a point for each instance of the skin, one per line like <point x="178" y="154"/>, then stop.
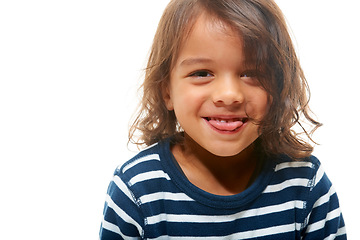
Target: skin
<point x="216" y="100"/>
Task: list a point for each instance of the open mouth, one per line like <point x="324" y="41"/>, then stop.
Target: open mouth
<point x="226" y="124"/>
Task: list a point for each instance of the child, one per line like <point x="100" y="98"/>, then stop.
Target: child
<point x="222" y="91"/>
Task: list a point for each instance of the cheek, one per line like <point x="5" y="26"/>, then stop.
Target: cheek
<point x="186" y="97"/>
<point x="258" y="104"/>
<point x="182" y="99"/>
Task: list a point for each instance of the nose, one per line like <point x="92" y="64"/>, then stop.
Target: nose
<point x="227" y="92"/>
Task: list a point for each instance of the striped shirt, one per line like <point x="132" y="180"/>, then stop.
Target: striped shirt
<point x="150" y="198"/>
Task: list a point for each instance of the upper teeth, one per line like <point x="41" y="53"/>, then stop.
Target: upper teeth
<point x="226" y="120"/>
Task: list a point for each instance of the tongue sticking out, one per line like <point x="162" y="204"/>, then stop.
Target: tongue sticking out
<point x="226" y="125"/>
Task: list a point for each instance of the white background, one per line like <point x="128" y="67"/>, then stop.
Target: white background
<point x="69" y="71"/>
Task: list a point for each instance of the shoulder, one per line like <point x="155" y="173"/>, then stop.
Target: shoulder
<point x="306" y="177"/>
<point x="122" y="207"/>
<point x="149" y="153"/>
<point x="298" y="177"/>
<point x="307" y="168"/>
<point x="144" y="174"/>
<point x="321" y="214"/>
<point x="144" y="163"/>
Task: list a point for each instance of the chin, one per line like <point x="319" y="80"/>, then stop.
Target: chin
<point x="228" y="149"/>
<point x="226" y="152"/>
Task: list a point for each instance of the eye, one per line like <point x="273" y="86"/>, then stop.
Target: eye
<point x="201" y="74"/>
<point x="250" y="77"/>
<point x="248" y="74"/>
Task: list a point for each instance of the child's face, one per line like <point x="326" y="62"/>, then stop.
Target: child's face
<point x="212" y="93"/>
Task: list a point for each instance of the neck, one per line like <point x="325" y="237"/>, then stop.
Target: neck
<point x="216" y="174"/>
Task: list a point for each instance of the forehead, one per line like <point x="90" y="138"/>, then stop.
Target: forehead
<point x="206" y="25"/>
<point x="206" y="36"/>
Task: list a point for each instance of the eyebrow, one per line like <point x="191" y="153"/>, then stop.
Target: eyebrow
<point x="192" y="61"/>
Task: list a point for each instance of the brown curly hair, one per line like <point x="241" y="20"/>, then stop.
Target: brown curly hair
<point x="267" y="45"/>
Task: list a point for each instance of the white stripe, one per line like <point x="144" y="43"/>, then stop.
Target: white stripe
<point x="113" y="228"/>
<point x="325" y="198"/>
<point x="263" y="232"/>
<point x="241" y="235"/>
<point x="320" y="224"/>
<point x="165" y="196"/>
<point x="341" y="231"/>
<point x="147" y="176"/>
<point x="322" y="200"/>
<point x="319" y="175"/>
<point x="140" y="160"/>
<point x="302" y="182"/>
<point x="122" y="214"/>
<point x="121" y="185"/>
<point x="293" y="165"/>
<point x="154" y="144"/>
<point x="271" y="209"/>
<point x="298" y="226"/>
<point x="224" y="218"/>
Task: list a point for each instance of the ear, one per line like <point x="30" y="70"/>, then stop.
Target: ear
<point x="167" y="98"/>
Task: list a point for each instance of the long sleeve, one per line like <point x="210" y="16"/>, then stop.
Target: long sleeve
<point x="122" y="216"/>
<point x="324" y="219"/>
